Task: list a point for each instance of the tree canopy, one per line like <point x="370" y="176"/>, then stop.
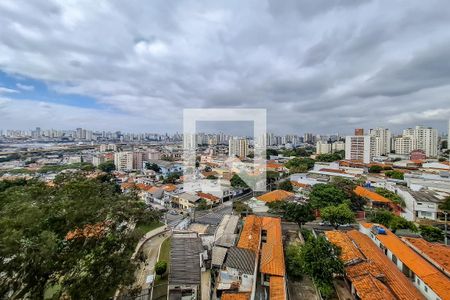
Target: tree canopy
<point x="394" y="174"/>
<point x="75" y="234"/>
<point x="107" y="166"/>
<point x="431" y="234"/>
<point x="300" y="161"/>
<point x="299" y="213"/>
<point x="286" y="185"/>
<point x="375" y="169"/>
<point x="323" y="195"/>
<point x="317" y="258"/>
<point x="391" y="221"/>
<point x="338" y="215"/>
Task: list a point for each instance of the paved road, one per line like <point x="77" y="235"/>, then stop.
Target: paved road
<point x="215" y="215"/>
<point x="150" y="249"/>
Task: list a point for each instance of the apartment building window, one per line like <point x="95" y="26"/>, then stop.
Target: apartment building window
<point x="394" y="259"/>
<point x="426" y="289"/>
<point x="418" y="281"/>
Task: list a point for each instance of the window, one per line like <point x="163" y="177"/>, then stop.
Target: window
<point x="418" y="281"/>
<point x="426" y="289"/>
<point x="394" y="259"/>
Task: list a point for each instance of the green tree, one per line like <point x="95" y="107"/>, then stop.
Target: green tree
<point x="299" y="213"/>
<point x="323" y="195"/>
<point x="375" y="169"/>
<point x="398" y="222"/>
<point x="271" y="152"/>
<point x="445" y="205"/>
<point x="391" y="195"/>
<point x="237" y="182"/>
<point x="319" y="259"/>
<point x="172" y="178"/>
<point x="348" y="187"/>
<point x="299" y="161"/>
<point x="394" y="174"/>
<point x="431" y="233"/>
<point x="107" y="166"/>
<point x="161" y="267"/>
<point x="37" y="250"/>
<point x="329" y="157"/>
<point x="241" y="208"/>
<point x="338" y="215"/>
<point x="153" y="167"/>
<point x="299" y="169"/>
<point x="286" y="185"/>
<point x="382" y="217"/>
<point x="293" y="261"/>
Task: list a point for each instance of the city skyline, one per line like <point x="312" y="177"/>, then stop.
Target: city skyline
<point x="313" y="66"/>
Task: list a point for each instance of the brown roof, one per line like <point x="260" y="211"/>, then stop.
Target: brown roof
<point x="251" y="233"/>
<point x="438" y="253"/>
<point x="277" y="288"/>
<point x="235" y="296"/>
<point x="272" y="256"/>
<point x="276" y="195"/>
<point x="208" y="196"/>
<point x="375" y="276"/>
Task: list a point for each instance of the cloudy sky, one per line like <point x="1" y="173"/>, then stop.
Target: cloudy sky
<point x="324" y="66"/>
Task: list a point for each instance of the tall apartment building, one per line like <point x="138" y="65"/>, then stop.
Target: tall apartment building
<point x="123" y="161"/>
<point x="448" y="135"/>
<point x="338" y="146"/>
<point x="403" y="145"/>
<point x="108" y="147"/>
<point x="323" y="147"/>
<point x="138" y="160"/>
<point x="237" y="147"/>
<point x="426" y="139"/>
<point x="358" y="148"/>
<point x="381" y="141"/>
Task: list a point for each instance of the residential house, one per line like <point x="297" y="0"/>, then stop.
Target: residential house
<point x="431" y="282"/>
<point x="186" y="262"/>
<point x="369" y="273"/>
<point x="185" y="201"/>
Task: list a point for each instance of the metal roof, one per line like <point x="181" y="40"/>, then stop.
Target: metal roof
<point x="185" y="259"/>
<point x="241" y="259"/>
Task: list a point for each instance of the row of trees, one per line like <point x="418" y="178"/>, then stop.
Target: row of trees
<point x="36" y="253"/>
<point x="318" y="259"/>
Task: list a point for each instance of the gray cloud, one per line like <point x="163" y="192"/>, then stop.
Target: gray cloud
<point x="321" y="66"/>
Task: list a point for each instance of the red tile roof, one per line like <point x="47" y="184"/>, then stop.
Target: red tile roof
<point x="433" y="278"/>
<point x="438" y="253"/>
<point x="276" y="195"/>
<point x="272" y="256"/>
<point x="277" y="288"/>
<point x="372" y="196"/>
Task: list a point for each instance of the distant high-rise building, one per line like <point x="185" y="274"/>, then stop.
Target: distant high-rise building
<point x="123" y="161"/>
<point x="323" y="147"/>
<point x="238" y="147"/>
<point x="426" y="139"/>
<point x="359" y="131"/>
<point x="381" y="142"/>
<point x="358" y="148"/>
<point x="448" y="135"/>
<point x="403" y="145"/>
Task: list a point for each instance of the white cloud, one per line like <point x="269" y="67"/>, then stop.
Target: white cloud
<point x="4" y="90"/>
<point x="25" y="87"/>
<point x="315" y="65"/>
<point x="156" y="48"/>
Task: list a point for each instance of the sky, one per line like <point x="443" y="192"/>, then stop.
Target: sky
<point x="322" y="66"/>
